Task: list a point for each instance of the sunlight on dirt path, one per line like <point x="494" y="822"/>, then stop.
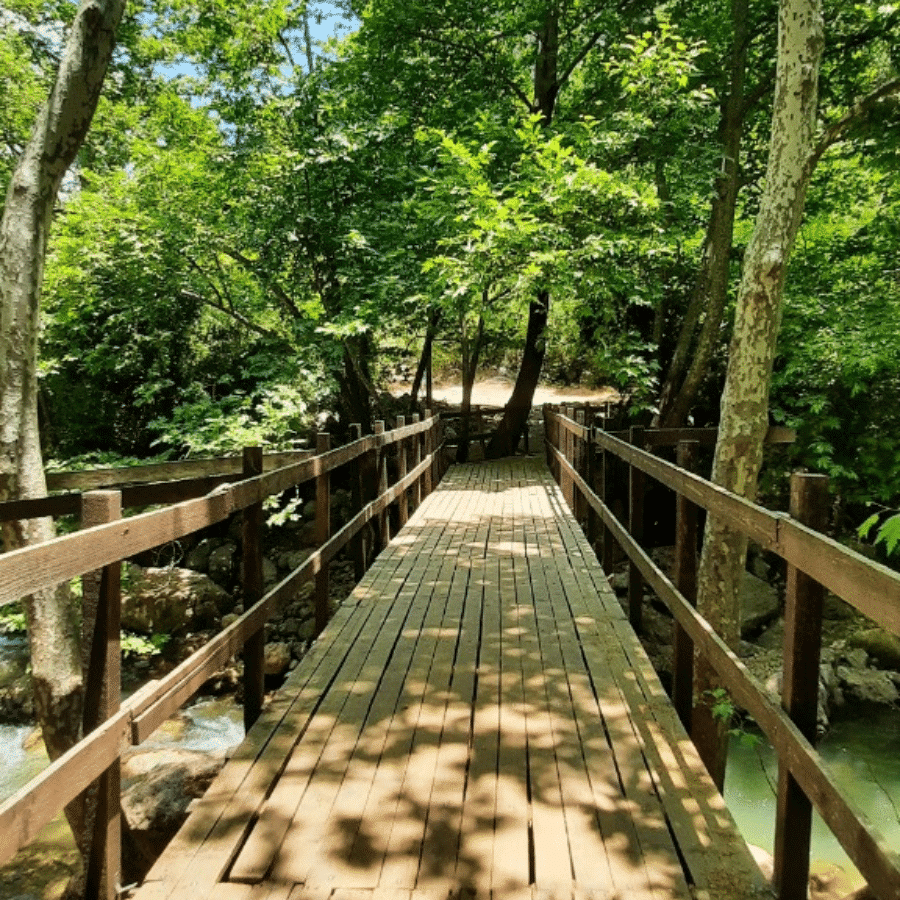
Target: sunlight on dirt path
<point x="496" y="391"/>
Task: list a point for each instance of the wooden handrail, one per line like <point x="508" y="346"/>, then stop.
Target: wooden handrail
<point x="188" y="479"/>
<point x="24" y="814"/>
<point x="810" y="552"/>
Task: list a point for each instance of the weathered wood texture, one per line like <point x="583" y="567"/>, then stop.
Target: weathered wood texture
<point x="477" y="717"/>
<point x="24" y="814"/>
<point x="878" y="863"/>
<point x="34" y="568"/>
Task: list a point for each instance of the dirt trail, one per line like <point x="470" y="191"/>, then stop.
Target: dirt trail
<point x="497" y="390"/>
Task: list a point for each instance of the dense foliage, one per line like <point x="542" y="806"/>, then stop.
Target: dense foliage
<point x="262" y="224"/>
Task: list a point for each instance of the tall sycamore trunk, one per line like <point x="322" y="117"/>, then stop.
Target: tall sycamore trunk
<point x="745" y="400"/>
<point x="59" y="130"/>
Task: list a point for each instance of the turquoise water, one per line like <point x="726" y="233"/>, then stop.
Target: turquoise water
<point x="864" y="757"/>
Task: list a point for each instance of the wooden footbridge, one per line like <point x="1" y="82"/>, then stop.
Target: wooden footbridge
<point x="478" y="719"/>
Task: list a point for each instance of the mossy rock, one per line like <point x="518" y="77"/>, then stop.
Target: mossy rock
<point x="882" y="646"/>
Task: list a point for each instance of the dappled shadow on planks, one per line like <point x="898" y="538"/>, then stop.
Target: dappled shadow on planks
<point x="484" y="720"/>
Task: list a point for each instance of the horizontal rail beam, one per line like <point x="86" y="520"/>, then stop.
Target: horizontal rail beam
<point x="35" y="568"/>
<point x="91" y="479"/>
<point x="872" y="588"/>
<point x="869" y="852"/>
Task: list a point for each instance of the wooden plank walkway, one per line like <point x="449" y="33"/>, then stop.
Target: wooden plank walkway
<point x="477" y="719"/>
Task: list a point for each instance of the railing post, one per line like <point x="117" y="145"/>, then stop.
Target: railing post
<point x="357" y="544"/>
<point x="636" y="530"/>
<point x="685" y="578"/>
<point x="383" y="523"/>
<point x="590" y="474"/>
<point x="416" y="459"/>
<point x="608" y="549"/>
<point x="800" y="691"/>
<point x="102" y="609"/>
<point x="427" y="481"/>
<point x="579" y="462"/>
<point x="323" y="532"/>
<point x="565" y="441"/>
<point x="402" y="501"/>
<point x="545" y="410"/>
<point x="252" y="586"/>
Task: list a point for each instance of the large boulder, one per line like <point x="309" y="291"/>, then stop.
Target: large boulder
<point x="170" y="600"/>
<point x="867" y="685"/>
<point x="198" y="558"/>
<point x="882" y="646"/>
<point x="277" y="658"/>
<point x="222" y="564"/>
<point x="760" y="605"/>
<point x="157" y="789"/>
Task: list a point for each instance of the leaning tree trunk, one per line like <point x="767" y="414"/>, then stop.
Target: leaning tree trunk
<point x="424" y="366"/>
<point x="59" y="131"/>
<point x="470" y="355"/>
<point x="687" y="372"/>
<point x="745" y="401"/>
<point x="515" y="415"/>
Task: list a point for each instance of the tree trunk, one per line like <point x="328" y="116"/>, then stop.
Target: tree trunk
<point x="744" y="420"/>
<point x="515" y="415"/>
<point x="59" y="131"/>
<point x="711" y="289"/>
<point x="470" y="356"/>
<point x="356" y="387"/>
<point x="425" y="359"/>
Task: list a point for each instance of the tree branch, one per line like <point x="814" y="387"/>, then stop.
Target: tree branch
<point x="579" y="58"/>
<point x="859" y="112"/>
<point x="252" y="267"/>
<point x="187" y="294"/>
<point x="478" y="54"/>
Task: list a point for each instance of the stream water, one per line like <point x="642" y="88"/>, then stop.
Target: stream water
<point x="863" y="753"/>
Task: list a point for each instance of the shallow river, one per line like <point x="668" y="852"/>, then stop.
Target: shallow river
<point x="864" y="756"/>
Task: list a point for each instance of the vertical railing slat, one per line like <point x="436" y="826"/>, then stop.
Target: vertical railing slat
<point x="101" y="630"/>
<point x="800" y="692"/>
<point x="636" y="530"/>
<point x="323" y="533"/>
<point x="252" y="584"/>
<point x="685" y="578"/>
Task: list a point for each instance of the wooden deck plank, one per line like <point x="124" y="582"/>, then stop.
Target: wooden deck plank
<point x="306" y="786"/>
<point x="422" y="851"/>
<point x="512" y="828"/>
<point x="348" y="852"/>
<point x="477" y="720"/>
<point x="622" y="807"/>
<point x="474" y="859"/>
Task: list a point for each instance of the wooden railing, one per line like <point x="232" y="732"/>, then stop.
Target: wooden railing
<point x="106" y="539"/>
<point x="580" y="456"/>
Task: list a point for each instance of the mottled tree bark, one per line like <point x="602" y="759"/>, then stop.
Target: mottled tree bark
<point x="59" y="131"/>
<point x="745" y="401"/>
